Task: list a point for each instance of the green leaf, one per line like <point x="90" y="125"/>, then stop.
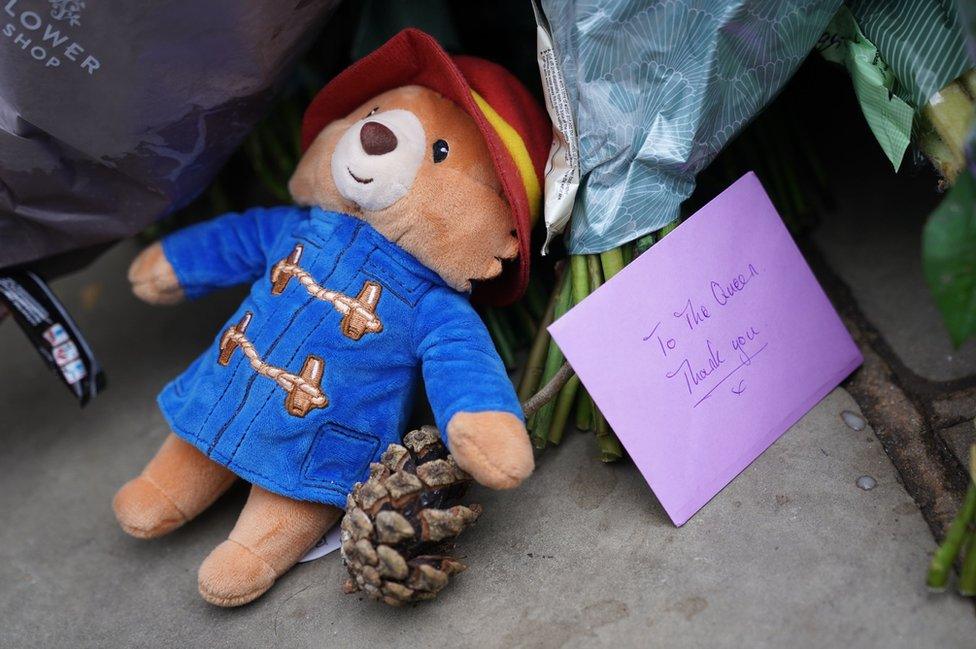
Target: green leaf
<point x="949" y="257"/>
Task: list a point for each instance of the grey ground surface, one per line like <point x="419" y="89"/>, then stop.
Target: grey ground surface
<point x="873" y="241"/>
<point x="792" y="553"/>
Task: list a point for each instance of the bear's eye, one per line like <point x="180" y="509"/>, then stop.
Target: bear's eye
<point x="440" y="151"/>
<point x="372" y="112"/>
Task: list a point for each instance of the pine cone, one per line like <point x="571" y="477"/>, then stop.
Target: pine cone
<point x="399" y="523"/>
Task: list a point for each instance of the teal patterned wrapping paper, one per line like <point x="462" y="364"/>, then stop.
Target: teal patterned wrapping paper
<point x="922" y="41"/>
<point x="659" y="88"/>
<point x="899" y="54"/>
<point x="888" y="115"/>
<point x="967" y="23"/>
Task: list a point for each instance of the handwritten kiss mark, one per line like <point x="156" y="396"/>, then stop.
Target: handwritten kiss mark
<point x="742" y="363"/>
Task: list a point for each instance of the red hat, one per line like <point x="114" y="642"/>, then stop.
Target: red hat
<point x="515" y="127"/>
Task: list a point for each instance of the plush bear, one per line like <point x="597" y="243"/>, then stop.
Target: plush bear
<point x="417" y="186"/>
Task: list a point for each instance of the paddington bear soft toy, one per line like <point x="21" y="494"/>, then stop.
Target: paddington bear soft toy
<point x="420" y="176"/>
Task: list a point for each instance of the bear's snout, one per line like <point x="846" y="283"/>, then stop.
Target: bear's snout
<point x="377" y="139"/>
<point x="377" y="159"/>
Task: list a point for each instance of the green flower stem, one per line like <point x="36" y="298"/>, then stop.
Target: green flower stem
<point x="944" y="556"/>
<point x="532" y="377"/>
<point x="584" y="409"/>
<point x="967" y="577"/>
<point x="581" y="282"/>
<point x="612" y="261"/>
<point x="595" y="267"/>
<point x="610" y="448"/>
<point x="554" y="359"/>
<point x="628" y="252"/>
<point x="501" y="337"/>
<point x="644" y="243"/>
<point x="668" y="229"/>
<point x="514" y="337"/>
<point x="535" y="298"/>
<point x="524" y="322"/>
<point x="567" y="397"/>
<point x="595" y="271"/>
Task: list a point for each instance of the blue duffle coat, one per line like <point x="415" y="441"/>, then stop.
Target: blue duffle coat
<point x="238" y="415"/>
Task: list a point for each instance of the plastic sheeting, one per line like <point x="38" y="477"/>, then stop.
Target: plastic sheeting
<point x="659" y="88"/>
<point x="116" y="112"/>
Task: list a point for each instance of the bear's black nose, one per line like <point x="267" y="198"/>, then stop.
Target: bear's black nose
<point x="377" y="139"/>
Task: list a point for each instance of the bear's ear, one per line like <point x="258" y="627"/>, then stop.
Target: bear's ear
<point x="495" y="231"/>
<point x="313" y="169"/>
<point x="301" y="186"/>
<point x="464" y="231"/>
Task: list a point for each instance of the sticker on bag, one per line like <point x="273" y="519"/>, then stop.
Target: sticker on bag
<point x="51" y="330"/>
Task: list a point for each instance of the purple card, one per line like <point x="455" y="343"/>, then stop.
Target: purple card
<point x="706" y="348"/>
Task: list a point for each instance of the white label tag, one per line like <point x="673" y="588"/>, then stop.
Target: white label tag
<point x="55" y="334"/>
<point x="562" y="167"/>
<point x="326" y="545"/>
<point x="65" y="353"/>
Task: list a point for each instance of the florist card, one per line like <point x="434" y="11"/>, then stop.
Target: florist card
<point x="706" y="348"/>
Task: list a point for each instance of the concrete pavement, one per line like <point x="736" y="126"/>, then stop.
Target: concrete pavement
<point x="793" y="552"/>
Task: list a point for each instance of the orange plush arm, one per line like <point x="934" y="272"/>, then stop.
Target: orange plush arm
<point x="492" y="446"/>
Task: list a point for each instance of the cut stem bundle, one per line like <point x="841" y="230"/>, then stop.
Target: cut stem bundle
<point x="582" y="275"/>
<point x="944" y="124"/>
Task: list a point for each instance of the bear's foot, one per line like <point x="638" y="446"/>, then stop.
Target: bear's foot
<point x="271" y="535"/>
<point x="176" y="485"/>
<point x="233" y="575"/>
<point x="145" y="511"/>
